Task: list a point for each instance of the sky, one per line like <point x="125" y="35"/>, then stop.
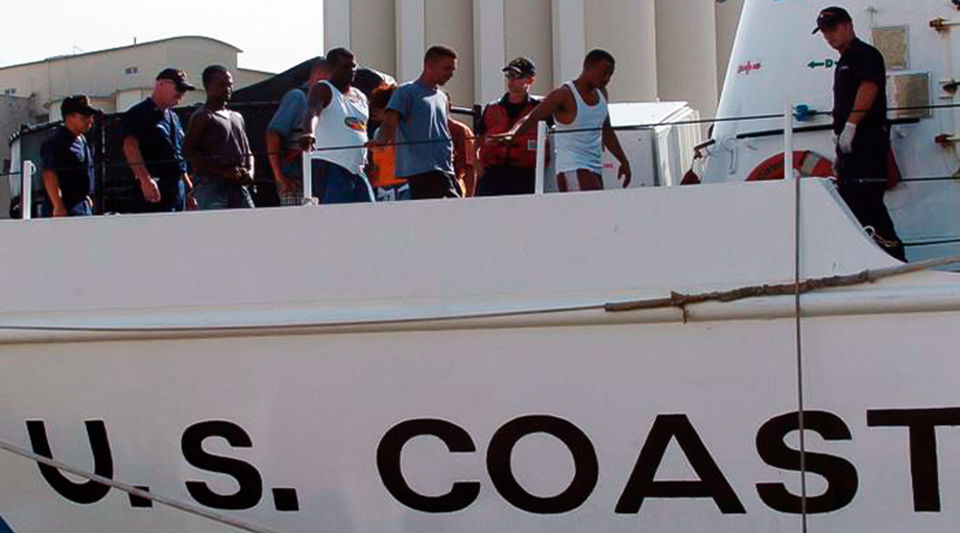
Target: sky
<point x="274" y="36"/>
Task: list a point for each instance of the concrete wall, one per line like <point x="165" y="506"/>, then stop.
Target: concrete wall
<point x="528" y="32"/>
<point x="628" y="31"/>
<point x="450" y="22"/>
<point x="373" y="34"/>
<point x="14" y="111"/>
<point x="687" y="53"/>
<point x="666" y="49"/>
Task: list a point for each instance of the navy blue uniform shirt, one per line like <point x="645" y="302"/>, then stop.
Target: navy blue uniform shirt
<point x="69" y="156"/>
<point x="161" y="139"/>
<point x="861" y="62"/>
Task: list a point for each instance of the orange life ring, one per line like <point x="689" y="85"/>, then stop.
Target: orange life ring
<point x="809" y="164"/>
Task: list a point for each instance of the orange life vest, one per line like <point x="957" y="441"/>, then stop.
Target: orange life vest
<point x="384" y="173"/>
<point x="522" y="151"/>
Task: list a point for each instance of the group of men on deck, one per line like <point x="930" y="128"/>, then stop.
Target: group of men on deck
<point x="408" y="146"/>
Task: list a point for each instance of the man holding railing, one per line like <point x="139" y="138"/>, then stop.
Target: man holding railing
<point x="583" y="129"/>
<point x="336" y="125"/>
<point x="283" y="138"/>
<point x="860" y="123"/>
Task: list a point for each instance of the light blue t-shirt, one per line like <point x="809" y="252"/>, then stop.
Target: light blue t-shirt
<point x="288" y="123"/>
<point x="423" y="116"/>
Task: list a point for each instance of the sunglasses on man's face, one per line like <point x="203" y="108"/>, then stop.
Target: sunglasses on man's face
<point x="514" y="76"/>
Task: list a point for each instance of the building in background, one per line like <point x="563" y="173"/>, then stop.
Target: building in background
<point x="665" y="49"/>
<point x="115" y="79"/>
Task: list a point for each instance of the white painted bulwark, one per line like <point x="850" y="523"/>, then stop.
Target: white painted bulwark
<point x="489" y="49"/>
<point x="336" y="23"/>
<point x="410" y="38"/>
<point x="569" y="39"/>
<point x="336" y="383"/>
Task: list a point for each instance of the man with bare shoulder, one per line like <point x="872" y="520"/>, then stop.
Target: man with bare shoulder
<point x="583" y="129"/>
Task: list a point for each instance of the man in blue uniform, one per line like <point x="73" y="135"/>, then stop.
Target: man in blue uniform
<point x="153" y="145"/>
<point x="68" y="162"/>
<point x="860" y="123"/>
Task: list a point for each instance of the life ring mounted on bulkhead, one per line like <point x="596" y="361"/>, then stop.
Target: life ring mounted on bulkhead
<point x="808" y="164"/>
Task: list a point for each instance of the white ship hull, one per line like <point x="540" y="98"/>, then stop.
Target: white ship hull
<point x="301" y="343"/>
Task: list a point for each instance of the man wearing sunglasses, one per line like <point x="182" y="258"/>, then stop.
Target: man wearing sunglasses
<point x="153" y="146"/>
<point x="509" y="167"/>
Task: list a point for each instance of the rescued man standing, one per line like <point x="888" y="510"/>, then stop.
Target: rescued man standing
<point x="860" y="123"/>
<point x="417" y="119"/>
<point x="335" y="123"/>
<point x="217" y="146"/>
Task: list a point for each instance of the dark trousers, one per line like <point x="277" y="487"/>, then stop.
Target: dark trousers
<point x="173" y="197"/>
<point x="865" y="199"/>
<point x="432" y="185"/>
<point x="863" y="181"/>
<point x="505" y="180"/>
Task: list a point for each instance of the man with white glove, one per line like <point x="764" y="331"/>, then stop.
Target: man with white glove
<point x="860" y="123"/>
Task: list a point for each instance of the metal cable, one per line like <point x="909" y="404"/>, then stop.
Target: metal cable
<point x="676" y="300"/>
<point x="133" y="491"/>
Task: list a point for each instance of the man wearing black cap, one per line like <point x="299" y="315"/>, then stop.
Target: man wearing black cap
<point x="860" y="123"/>
<point x="153" y="145"/>
<point x="509" y="168"/>
<point x="68" y="162"/>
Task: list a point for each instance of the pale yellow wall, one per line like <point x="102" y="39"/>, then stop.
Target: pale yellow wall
<point x="627" y="30"/>
<point x="102" y="74"/>
<point x="373" y="31"/>
<point x="687" y="53"/>
<point x="528" y="33"/>
<point x="450" y="22"/>
<point x="245" y="78"/>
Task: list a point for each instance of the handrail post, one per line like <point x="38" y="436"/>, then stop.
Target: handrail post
<point x="541" y="157"/>
<point x="788" y="172"/>
<point x="27" y="169"/>
<point x="306" y="161"/>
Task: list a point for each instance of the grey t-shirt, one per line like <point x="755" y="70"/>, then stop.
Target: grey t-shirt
<point x="423" y="116"/>
<point x="224" y="140"/>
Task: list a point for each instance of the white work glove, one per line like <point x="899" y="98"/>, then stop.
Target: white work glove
<point x="845" y="141"/>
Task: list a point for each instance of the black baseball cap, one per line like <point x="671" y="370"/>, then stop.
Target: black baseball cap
<point x="521" y="66"/>
<point x="178" y="77"/>
<point x="78" y="103"/>
<point x="831" y="16"/>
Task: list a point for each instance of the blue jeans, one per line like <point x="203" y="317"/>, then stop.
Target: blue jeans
<point x="220" y="194"/>
<point x="79" y="209"/>
<point x="334" y="184"/>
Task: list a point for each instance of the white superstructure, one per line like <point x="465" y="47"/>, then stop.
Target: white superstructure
<point x="776" y="62"/>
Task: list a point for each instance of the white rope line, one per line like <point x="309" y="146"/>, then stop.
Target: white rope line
<point x="675" y="300"/>
<point x="130" y="489"/>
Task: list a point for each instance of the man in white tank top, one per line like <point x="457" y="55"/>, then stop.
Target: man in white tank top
<point x="583" y="128"/>
<point x="336" y="126"/>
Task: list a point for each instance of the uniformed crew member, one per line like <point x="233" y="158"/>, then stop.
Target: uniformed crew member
<point x="153" y="145"/>
<point x="509" y="168"/>
<point x="860" y="123"/>
<point x="68" y="176"/>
